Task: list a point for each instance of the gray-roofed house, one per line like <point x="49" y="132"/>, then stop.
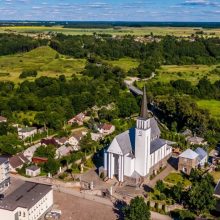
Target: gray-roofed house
<point x="17" y="162"/>
<point x="32" y="171"/>
<point x="190" y="159"/>
<point x="29" y="201"/>
<point x="138" y="151"/>
<point x="26" y="132"/>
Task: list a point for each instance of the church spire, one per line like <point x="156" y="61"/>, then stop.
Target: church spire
<point x="144" y="111"/>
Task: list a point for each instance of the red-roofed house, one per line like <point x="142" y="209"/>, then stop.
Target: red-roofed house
<point x="2" y="119"/>
<point x="77" y="119"/>
<point x="106" y="129"/>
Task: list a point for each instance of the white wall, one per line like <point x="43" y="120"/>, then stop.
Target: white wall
<point x="128" y="165"/>
<point x="33" y="213"/>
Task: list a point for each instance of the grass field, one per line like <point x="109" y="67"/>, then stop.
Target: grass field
<point x="216" y="176"/>
<point x="177" y="31"/>
<point x="42" y="59"/>
<point x="174" y="178"/>
<point x="192" y="73"/>
<point x="213" y="106"/>
<point x="125" y="63"/>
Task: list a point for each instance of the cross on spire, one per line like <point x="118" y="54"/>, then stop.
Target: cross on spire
<point x="144" y="111"/>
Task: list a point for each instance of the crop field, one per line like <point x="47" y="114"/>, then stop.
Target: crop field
<point x="125" y="63"/>
<point x="213" y="106"/>
<point x="192" y="73"/>
<point x="138" y="31"/>
<point x="43" y="59"/>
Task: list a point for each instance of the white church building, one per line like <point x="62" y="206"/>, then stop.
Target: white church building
<point x="137" y="152"/>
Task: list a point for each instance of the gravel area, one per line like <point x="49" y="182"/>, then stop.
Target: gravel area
<point x="76" y="208"/>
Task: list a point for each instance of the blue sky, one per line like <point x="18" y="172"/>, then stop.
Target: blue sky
<point x="111" y="10"/>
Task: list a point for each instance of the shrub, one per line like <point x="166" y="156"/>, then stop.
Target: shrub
<point x="28" y="73"/>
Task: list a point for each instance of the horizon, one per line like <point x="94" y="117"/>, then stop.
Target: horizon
<point x="111" y="10"/>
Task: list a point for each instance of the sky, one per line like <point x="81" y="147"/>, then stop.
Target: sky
<point x="111" y="10"/>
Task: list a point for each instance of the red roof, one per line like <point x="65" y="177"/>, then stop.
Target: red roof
<point x="39" y="160"/>
<point x="107" y="127"/>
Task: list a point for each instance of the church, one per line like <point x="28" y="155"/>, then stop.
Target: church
<point x="137" y="152"/>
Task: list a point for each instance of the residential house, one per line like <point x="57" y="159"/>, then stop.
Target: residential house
<point x="32" y="171"/>
<point x="106" y="129"/>
<point x="30" y="201"/>
<point x="17" y="162"/>
<point x="96" y="136"/>
<point x="63" y="151"/>
<point x="190" y="159"/>
<point x="196" y="140"/>
<point x="77" y="119"/>
<point x="2" y="119"/>
<point x="187" y="133"/>
<point x="26" y="132"/>
<point x="62" y="141"/>
<point x="75" y="139"/>
<point x="203" y="156"/>
<point x="49" y="141"/>
<point x="39" y="160"/>
<point x="4" y="173"/>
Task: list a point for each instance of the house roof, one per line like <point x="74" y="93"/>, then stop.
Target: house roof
<point x="26" y="196"/>
<point x="187" y="132"/>
<point x="196" y="140"/>
<point x="64" y="150"/>
<point x="51" y="141"/>
<point x="3" y="160"/>
<point x="106" y="126"/>
<point x="33" y="168"/>
<point x="2" y="118"/>
<point x="27" y="129"/>
<point x="126" y="140"/>
<point x="18" y="160"/>
<point x="189" y="154"/>
<point x="201" y="152"/>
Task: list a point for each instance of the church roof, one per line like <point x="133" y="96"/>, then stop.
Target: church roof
<point x="126" y="140"/>
<point x="144" y="111"/>
<point x="156" y="145"/>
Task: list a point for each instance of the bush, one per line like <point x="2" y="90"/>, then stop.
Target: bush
<point x="28" y="73"/>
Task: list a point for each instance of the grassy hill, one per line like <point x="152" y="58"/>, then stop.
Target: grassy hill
<point x="43" y="59"/>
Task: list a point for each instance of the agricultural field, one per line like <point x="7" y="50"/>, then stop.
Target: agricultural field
<point x="213" y="106"/>
<point x="192" y="73"/>
<point x="138" y="31"/>
<point x="43" y="59"/>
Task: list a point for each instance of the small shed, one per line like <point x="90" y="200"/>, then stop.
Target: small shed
<point x="33" y="171"/>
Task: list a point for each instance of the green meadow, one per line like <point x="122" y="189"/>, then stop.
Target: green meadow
<point x="43" y="59"/>
<point x="213" y="106"/>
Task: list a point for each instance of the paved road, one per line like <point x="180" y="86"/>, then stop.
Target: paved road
<point x="161" y="176"/>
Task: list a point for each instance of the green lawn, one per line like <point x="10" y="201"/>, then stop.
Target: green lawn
<point x="125" y="63"/>
<point x="213" y="106"/>
<point x="42" y="59"/>
<point x="174" y="178"/>
<point x="192" y="73"/>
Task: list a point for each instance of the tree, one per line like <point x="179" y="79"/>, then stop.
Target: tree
<point x="177" y="192"/>
<point x="137" y="210"/>
<point x="200" y="196"/>
<point x="160" y="186"/>
<point x="45" y="151"/>
<point x="51" y="166"/>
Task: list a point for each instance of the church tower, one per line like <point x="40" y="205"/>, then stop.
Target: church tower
<point x="143" y="139"/>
